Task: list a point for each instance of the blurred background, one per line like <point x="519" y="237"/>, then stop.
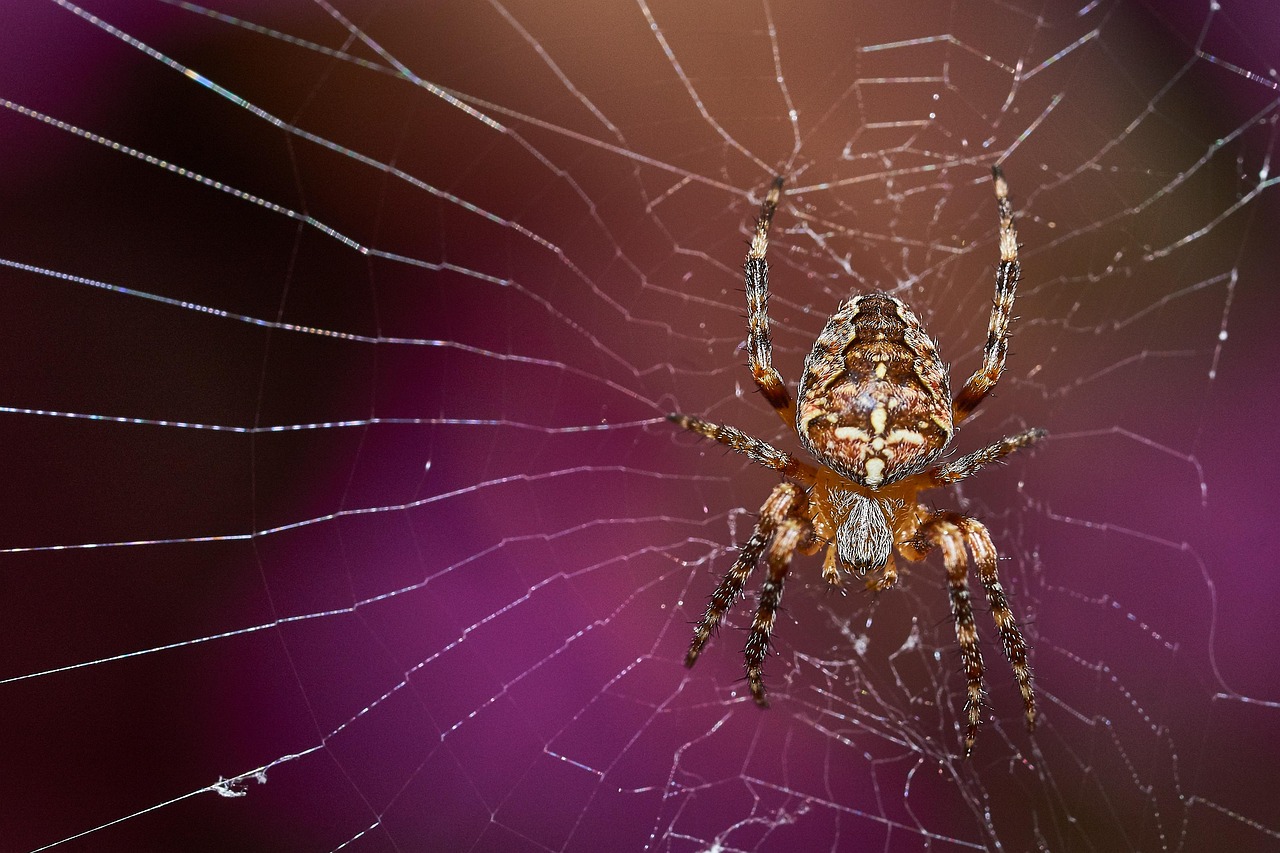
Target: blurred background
<point x="340" y="508"/>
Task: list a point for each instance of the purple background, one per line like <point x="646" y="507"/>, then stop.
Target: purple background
<point x="457" y="623"/>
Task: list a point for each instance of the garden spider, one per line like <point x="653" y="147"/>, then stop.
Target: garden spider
<point x="875" y="410"/>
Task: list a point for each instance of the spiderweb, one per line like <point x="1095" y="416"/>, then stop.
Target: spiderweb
<point x="341" y="512"/>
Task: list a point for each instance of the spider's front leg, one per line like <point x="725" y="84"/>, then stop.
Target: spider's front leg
<point x="940" y="531"/>
<point x="784" y="520"/>
<point x="952" y="531"/>
<point x="978" y="538"/>
<point x="777" y="508"/>
<point x="794" y="534"/>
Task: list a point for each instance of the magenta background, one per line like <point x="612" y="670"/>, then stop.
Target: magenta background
<point x="585" y="666"/>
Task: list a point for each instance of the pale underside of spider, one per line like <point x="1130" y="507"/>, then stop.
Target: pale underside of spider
<point x="874" y="409"/>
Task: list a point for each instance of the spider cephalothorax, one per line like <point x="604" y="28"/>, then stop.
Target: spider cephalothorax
<point x="875" y="410"/>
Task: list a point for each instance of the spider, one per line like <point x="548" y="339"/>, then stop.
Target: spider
<point x="874" y="408"/>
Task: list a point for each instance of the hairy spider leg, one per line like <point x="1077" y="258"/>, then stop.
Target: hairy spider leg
<point x="983" y="549"/>
<point x="997" y="347"/>
<point x="792" y="534"/>
<point x="759" y="344"/>
<point x="783" y="502"/>
<point x="941" y="531"/>
<point x="967" y="466"/>
<point x="753" y="448"/>
<point x="952" y="531"/>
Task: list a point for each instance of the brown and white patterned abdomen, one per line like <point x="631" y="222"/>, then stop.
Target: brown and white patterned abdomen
<point x="874" y="402"/>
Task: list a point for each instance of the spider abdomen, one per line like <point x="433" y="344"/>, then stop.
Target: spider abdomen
<point x="874" y="402"/>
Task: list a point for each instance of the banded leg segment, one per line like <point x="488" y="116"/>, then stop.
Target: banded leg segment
<point x="757" y="451"/>
<point x="759" y="343"/>
<point x="952" y="532"/>
<point x="978" y="538"/>
<point x="940" y="530"/>
<point x="967" y="466"/>
<point x="783" y="502"/>
<point x="792" y="535"/>
<point x="997" y="347"/>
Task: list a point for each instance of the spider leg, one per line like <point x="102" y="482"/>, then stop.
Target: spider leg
<point x="952" y="532"/>
<point x="967" y="466"/>
<point x="983" y="549"/>
<point x="759" y="344"/>
<point x="792" y="534"/>
<point x="782" y="502"/>
<point x="1007" y="274"/>
<point x="942" y="531"/>
<point x="756" y="450"/>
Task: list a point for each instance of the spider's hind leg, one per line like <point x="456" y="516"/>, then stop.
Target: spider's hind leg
<point x="1007" y="275"/>
<point x="759" y="344"/>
